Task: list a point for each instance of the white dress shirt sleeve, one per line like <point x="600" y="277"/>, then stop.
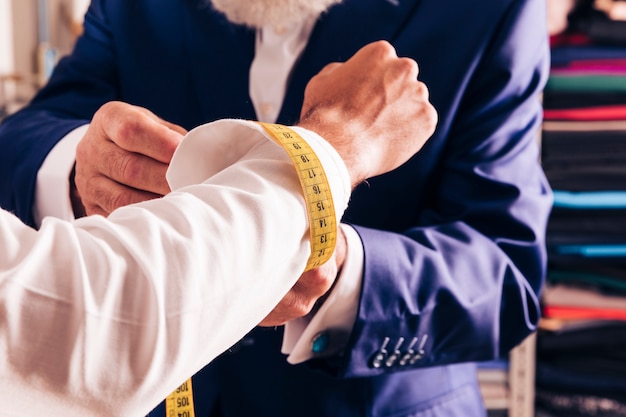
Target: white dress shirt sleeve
<point x="52" y="189"/>
<point x="105" y="317"/>
<point x="327" y="332"/>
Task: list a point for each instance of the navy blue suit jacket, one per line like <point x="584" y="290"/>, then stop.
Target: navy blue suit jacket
<point x="453" y="239"/>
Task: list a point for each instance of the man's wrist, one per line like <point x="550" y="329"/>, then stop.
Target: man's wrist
<point x="335" y="134"/>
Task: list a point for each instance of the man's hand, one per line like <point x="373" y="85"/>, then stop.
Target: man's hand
<point x="372" y="109"/>
<point x="377" y="115"/>
<point x="312" y="285"/>
<point x="122" y="159"/>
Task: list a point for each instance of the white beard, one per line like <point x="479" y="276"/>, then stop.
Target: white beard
<point x="259" y="13"/>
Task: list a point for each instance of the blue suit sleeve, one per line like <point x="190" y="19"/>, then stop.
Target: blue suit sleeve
<point x="80" y="84"/>
<point x="463" y="283"/>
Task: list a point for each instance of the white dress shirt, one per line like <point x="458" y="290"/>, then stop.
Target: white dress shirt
<point x="276" y="52"/>
<point x="105" y="317"/>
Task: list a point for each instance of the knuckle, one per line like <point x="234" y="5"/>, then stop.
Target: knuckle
<point x="381" y="50"/>
<point x="403" y="72"/>
<point x="127" y="129"/>
<point x="113" y="201"/>
<point x="81" y="183"/>
<point x="296" y="306"/>
<point x="120" y="198"/>
<point x="127" y="170"/>
<point x="82" y="150"/>
<point x="323" y="283"/>
<point x="118" y="122"/>
<point x="302" y="309"/>
<point x="407" y="66"/>
<point x="422" y="90"/>
<point x="107" y="112"/>
<point x="91" y="192"/>
<point x="328" y="68"/>
<point x="110" y="106"/>
<point x="91" y="210"/>
<point x="84" y="180"/>
<point x="319" y="280"/>
<point x="431" y="116"/>
<point x="384" y="47"/>
<point x="425" y="107"/>
<point x="87" y="147"/>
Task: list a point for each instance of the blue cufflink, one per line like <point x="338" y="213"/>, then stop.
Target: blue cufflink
<point x="320" y="342"/>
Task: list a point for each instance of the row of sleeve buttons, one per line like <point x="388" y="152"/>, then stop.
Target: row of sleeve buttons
<point x="412" y="354"/>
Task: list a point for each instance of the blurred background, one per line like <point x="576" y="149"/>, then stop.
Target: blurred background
<point x="33" y="35"/>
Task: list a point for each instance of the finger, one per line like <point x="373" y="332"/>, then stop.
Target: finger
<point x="287" y="309"/>
<point x="427" y="113"/>
<point x="422" y="91"/>
<point x="135" y="130"/>
<point x="316" y="282"/>
<point x="300" y="299"/>
<point x="176" y="128"/>
<point x="170" y="125"/>
<point x="303" y="296"/>
<point x="408" y="67"/>
<point x="329" y="68"/>
<point x="379" y="51"/>
<point x="105" y="195"/>
<point x="132" y="169"/>
<point x="95" y="210"/>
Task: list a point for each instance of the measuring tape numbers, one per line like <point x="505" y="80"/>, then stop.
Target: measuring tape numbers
<point x="322" y="228"/>
<point x="180" y="402"/>
<point x="316" y="189"/>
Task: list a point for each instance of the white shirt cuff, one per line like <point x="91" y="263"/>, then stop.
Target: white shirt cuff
<point x="52" y="191"/>
<point x="192" y="163"/>
<point x="327" y="332"/>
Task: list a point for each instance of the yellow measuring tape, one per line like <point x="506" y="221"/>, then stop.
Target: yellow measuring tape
<point x="180" y="402"/>
<point x="317" y="194"/>
<point x="322" y="229"/>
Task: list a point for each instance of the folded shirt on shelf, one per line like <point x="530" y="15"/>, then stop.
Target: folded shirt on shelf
<point x="586" y="82"/>
<point x="585" y="155"/>
<point x="583" y="178"/>
<point x="587" y="218"/>
<point x="559" y="376"/>
<point x="581" y="360"/>
<point x="601" y="29"/>
<point x="611" y="267"/>
<point x="592" y="232"/>
<point x="576" y="99"/>
<point x="591" y="251"/>
<point x="599" y="112"/>
<point x="603" y="278"/>
<point x="582" y="296"/>
<point x="550" y="403"/>
<point x="590" y="200"/>
<point x="590" y="299"/>
<point x="565" y="54"/>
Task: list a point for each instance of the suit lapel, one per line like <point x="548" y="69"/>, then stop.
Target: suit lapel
<point x="217" y="50"/>
<point x="339" y="33"/>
